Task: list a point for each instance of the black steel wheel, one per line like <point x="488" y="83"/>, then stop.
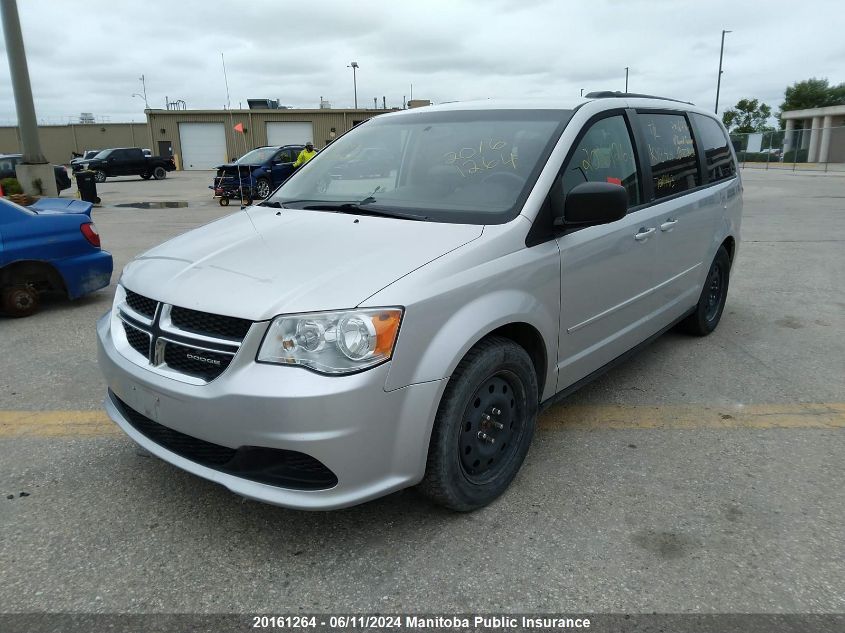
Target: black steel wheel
<point x="159" y="173"/>
<point x="711" y="301"/>
<point x="483" y="427"/>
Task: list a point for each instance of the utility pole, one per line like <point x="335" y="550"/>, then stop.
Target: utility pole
<point x="34" y="173"/>
<point x="626" y="79"/>
<point x="719" y="78"/>
<point x="144" y="87"/>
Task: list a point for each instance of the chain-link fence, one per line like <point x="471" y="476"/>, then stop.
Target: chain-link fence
<point x="816" y="149"/>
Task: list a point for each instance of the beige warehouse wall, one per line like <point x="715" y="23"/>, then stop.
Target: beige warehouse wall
<point x="58" y="141"/>
<point x="164" y="125"/>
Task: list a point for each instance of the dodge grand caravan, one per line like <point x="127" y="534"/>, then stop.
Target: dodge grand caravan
<point x="352" y="336"/>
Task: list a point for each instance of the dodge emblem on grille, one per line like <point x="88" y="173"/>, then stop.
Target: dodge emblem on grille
<point x="210" y="361"/>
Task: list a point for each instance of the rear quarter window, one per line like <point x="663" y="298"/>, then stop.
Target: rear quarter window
<point x="670" y="148"/>
<point x="716" y="147"/>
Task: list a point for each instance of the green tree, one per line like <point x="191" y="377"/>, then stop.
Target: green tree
<point x="748" y="115"/>
<point x="811" y="93"/>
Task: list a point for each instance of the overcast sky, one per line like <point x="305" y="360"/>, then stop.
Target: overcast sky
<point x="88" y="56"/>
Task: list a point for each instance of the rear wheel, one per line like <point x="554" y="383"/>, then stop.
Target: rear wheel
<point x="159" y="173"/>
<point x="711" y="302"/>
<point x="19" y="300"/>
<point x="224" y="201"/>
<point x="100" y="175"/>
<point x="262" y="188"/>
<point x="483" y="426"/>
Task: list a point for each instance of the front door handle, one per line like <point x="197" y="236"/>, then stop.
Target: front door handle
<point x="668" y="225"/>
<point x="644" y="234"/>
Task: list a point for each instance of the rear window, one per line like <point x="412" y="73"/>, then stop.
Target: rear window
<point x="716" y="148"/>
<point x="672" y="153"/>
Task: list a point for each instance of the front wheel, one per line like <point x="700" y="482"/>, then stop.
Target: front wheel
<point x="100" y="175"/>
<point x="711" y="302"/>
<point x="483" y="426"/>
<point x="159" y="173"/>
<point x="262" y="188"/>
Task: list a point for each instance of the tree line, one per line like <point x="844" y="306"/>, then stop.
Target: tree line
<point x="750" y="115"/>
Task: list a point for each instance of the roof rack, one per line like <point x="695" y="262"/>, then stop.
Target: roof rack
<point x="611" y="94"/>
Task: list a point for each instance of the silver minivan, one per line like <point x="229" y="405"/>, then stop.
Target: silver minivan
<point x="372" y="327"/>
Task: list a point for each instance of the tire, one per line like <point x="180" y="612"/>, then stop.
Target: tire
<point x="145" y="176"/>
<point x="19" y="301"/>
<point x="262" y="188"/>
<point x="465" y="470"/>
<point x="159" y="173"/>
<point x="711" y="302"/>
<point x="100" y="176"/>
<point x="224" y="201"/>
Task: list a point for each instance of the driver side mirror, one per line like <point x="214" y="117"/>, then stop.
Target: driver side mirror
<point x="591" y="204"/>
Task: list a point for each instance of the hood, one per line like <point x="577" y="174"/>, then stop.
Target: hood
<point x="261" y="262"/>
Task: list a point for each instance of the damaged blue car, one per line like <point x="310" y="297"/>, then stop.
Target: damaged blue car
<point x="49" y="247"/>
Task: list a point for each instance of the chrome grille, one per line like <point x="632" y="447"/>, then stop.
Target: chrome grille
<point x="185" y="344"/>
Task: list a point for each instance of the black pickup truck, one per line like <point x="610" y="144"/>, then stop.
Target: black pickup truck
<point x="129" y="161"/>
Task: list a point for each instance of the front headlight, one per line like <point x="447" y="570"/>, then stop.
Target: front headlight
<point x="332" y="342"/>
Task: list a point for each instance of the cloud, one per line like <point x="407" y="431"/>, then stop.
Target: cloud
<point x="297" y="52"/>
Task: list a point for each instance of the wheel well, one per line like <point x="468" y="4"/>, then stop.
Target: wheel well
<point x="41" y="274"/>
<point x="527" y="337"/>
<point x="730" y="246"/>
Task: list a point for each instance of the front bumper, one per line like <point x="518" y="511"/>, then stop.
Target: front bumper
<point x="374" y="441"/>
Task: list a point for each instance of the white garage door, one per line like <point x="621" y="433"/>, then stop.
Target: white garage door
<point x="288" y="133"/>
<point x="203" y="145"/>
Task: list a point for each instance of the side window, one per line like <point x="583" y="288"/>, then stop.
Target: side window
<point x="285" y="156"/>
<point x="716" y="148"/>
<point x="671" y="151"/>
<point x="605" y="154"/>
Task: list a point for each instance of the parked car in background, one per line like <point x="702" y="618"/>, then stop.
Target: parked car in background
<point x="8" y="162"/>
<point x="346" y="338"/>
<point x="51" y="246"/>
<point x="128" y="161"/>
<point x="77" y="163"/>
<point x="256" y="173"/>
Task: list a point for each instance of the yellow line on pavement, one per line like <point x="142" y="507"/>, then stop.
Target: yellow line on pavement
<point x="565" y="416"/>
<point x="55" y="423"/>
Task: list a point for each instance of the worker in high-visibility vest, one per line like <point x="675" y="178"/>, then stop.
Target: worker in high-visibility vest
<point x="305" y="155"/>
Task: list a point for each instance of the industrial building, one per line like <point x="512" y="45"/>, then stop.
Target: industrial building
<point x="198" y="139"/>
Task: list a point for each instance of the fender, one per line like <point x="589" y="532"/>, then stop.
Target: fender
<point x="521" y="287"/>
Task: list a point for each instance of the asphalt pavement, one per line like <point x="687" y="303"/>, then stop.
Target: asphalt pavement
<point x="703" y="475"/>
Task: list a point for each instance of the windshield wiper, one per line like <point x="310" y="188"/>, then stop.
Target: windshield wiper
<point x="272" y="203"/>
<point x="360" y="208"/>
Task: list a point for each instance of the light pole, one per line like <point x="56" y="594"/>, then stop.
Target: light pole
<point x="144" y="87"/>
<point x="719" y="78"/>
<point x="354" y="66"/>
<point x="582" y="92"/>
<point x="626" y="79"/>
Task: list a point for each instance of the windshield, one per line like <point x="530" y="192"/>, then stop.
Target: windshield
<point x="256" y="156"/>
<point x="473" y="167"/>
<point x="104" y="154"/>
